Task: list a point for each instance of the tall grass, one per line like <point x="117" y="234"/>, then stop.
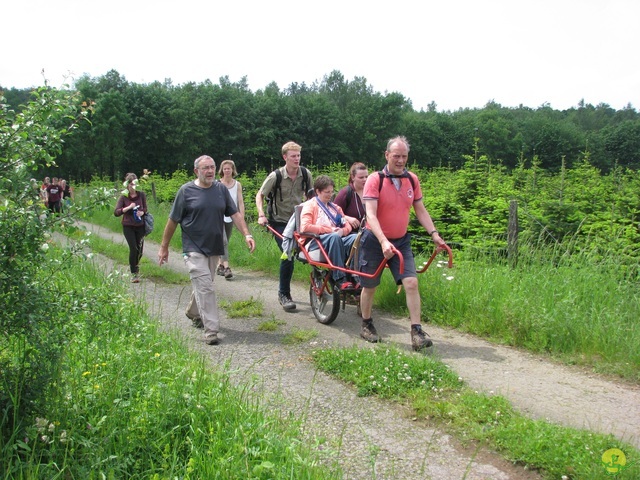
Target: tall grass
<point x="130" y="401"/>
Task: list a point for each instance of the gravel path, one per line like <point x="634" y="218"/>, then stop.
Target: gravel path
<point x="373" y="438"/>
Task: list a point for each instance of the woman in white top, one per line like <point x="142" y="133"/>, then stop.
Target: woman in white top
<point x="227" y="173"/>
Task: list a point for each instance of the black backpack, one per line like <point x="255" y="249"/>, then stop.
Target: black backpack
<point x="272" y="208"/>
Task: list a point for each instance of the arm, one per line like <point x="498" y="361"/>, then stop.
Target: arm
<point x="120" y="208"/>
<point x="425" y="220"/>
<point x="240" y="199"/>
<point x="241" y="225"/>
<point x="163" y="252"/>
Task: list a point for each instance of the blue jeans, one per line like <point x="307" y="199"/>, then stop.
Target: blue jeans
<point x="286" y="266"/>
<point x="337" y="249"/>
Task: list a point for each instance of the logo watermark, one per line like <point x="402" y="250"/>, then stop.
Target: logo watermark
<point x="614" y="461"/>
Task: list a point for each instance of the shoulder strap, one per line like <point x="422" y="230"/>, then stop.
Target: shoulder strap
<point x="349" y="195"/>
<point x="306" y="180"/>
<point x="383" y="175"/>
<point x="276" y="187"/>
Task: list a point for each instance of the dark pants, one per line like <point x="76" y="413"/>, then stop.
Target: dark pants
<point x="286" y="266"/>
<point x="135" y="240"/>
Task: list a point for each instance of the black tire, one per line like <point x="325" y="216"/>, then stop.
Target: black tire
<point x="326" y="306"/>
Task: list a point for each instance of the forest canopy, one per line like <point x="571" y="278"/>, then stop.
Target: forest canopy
<point x="164" y="127"/>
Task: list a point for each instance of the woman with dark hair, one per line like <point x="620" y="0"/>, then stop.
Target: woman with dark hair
<point x="350" y="197"/>
<point x="132" y="206"/>
<point x="326" y="219"/>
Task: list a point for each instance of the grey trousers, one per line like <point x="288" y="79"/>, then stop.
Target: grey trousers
<point x="203" y="303"/>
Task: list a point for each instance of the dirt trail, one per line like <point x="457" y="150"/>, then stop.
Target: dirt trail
<point x="376" y="439"/>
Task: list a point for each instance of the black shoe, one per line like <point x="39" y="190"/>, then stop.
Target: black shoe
<point x="286" y="302"/>
<point x="419" y="338"/>
<point x="368" y="332"/>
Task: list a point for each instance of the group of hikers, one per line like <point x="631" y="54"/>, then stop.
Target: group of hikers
<point x="56" y="194"/>
<point x="374" y="206"/>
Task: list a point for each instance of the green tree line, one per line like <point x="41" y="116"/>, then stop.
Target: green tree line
<point x="164" y="127"/>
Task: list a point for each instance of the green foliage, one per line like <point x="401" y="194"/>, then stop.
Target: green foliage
<point x="165" y="127"/>
<point x="130" y="401"/>
<point x="34" y="313"/>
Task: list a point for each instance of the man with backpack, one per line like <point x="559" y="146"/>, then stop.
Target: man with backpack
<point x="389" y="196"/>
<point x="284" y="188"/>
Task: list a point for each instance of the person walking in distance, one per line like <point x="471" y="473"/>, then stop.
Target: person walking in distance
<point x="388" y="196"/>
<point x="199" y="208"/>
<point x="227" y="175"/>
<point x="284" y="188"/>
<point x="132" y="206"/>
<point x="350" y="197"/>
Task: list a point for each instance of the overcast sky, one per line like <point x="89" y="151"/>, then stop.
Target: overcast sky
<point x="457" y="54"/>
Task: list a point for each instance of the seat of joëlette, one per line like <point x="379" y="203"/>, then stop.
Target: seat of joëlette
<point x="315" y="255"/>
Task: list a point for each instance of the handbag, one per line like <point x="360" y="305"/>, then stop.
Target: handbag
<point x="148" y="223"/>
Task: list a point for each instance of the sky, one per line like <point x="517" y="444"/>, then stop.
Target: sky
<point x="454" y="53"/>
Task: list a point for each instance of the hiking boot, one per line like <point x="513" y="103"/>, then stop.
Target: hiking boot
<point x="368" y="331"/>
<point x="212" y="339"/>
<point x="227" y="273"/>
<point x="197" y="322"/>
<point x="286" y="302"/>
<point x="135" y="278"/>
<point x="220" y="270"/>
<point x="419" y="338"/>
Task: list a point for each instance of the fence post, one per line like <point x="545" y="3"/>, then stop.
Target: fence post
<point x="512" y="234"/>
<point x="153" y="193"/>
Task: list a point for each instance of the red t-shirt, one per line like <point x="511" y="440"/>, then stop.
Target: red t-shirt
<point x="394" y="205"/>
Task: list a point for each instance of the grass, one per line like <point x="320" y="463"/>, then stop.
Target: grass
<point x="437" y="394"/>
<point x="299" y="335"/>
<point x="243" y="308"/>
<point x="131" y="401"/>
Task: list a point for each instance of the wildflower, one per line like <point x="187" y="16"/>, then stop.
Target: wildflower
<point x="86" y="373"/>
<point x="52" y="427"/>
<point x="63" y="436"/>
<point x="450" y="277"/>
<point x="157" y="354"/>
<point x="44" y="247"/>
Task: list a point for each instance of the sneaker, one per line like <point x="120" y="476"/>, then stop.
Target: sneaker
<point x="368" y="331"/>
<point x="212" y="339"/>
<point x="346" y="286"/>
<point x="419" y="338"/>
<point x="197" y="322"/>
<point x="286" y="302"/>
<point x="220" y="270"/>
<point x="227" y="273"/>
<point x="135" y="279"/>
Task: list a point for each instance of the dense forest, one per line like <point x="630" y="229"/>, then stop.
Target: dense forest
<point x="164" y="127"/>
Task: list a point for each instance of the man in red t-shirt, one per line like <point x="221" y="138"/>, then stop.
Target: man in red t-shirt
<point x="388" y="208"/>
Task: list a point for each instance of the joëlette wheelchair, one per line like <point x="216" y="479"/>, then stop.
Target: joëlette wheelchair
<point x="325" y="297"/>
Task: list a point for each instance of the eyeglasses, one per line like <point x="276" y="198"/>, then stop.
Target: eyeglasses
<point x="207" y="167"/>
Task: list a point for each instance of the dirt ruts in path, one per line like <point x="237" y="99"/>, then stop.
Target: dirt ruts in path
<point x="376" y="439"/>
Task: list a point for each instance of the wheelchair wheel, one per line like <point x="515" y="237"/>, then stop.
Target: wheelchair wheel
<point x="325" y="302"/>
